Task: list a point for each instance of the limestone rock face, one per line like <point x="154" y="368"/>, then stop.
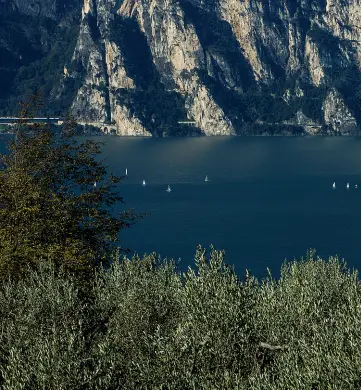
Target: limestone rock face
<point x="176" y="47"/>
<point x="281" y="32"/>
<point x="91" y="101"/>
<point x="226" y="66"/>
<point x="314" y="62"/>
<point x="127" y="124"/>
<point x="207" y="114"/>
<point x="309" y="125"/>
<point x="117" y="74"/>
<point x="337" y="115"/>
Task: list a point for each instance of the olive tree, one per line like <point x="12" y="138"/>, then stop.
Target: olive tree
<point x="150" y="327"/>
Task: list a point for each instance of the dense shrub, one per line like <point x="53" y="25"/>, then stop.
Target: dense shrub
<point x="150" y="327"/>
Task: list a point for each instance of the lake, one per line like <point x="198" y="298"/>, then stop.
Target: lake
<point x="268" y="198"/>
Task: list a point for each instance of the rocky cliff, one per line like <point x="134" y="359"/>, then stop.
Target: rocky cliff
<point x="213" y="67"/>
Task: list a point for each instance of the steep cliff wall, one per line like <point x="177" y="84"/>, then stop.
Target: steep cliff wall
<point x="223" y="66"/>
<point x="37" y="38"/>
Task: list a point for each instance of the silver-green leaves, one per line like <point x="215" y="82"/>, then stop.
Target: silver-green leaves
<point x="146" y="326"/>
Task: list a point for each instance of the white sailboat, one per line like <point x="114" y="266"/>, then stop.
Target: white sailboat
<point x="95" y="184"/>
<point x="206" y="178"/>
<point x="144" y="183"/>
<point x="347" y="186"/>
<point x="168" y="189"/>
<point x="334" y="184"/>
<point x="126" y="172"/>
<point x="356" y="186"/>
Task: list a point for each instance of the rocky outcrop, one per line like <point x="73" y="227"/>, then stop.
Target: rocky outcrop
<point x="179" y="50"/>
<point x="309" y="125"/>
<point x="337" y="115"/>
<point x="117" y="74"/>
<point x="314" y="62"/>
<point x="207" y="114"/>
<point x="147" y="66"/>
<point x="280" y="34"/>
<point x="127" y="124"/>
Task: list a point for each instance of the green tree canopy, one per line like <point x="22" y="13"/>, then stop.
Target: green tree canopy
<point x="56" y="200"/>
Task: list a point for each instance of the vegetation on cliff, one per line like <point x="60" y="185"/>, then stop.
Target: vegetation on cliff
<point x="33" y="53"/>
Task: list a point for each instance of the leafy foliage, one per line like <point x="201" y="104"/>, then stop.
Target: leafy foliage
<point x="49" y="207"/>
<point x="149" y="327"/>
<point x="38" y="61"/>
<point x="268" y="129"/>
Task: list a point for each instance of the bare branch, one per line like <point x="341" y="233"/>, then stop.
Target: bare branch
<point x="273" y="347"/>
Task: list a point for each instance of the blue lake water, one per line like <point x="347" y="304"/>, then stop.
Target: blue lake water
<point x="268" y="198"/>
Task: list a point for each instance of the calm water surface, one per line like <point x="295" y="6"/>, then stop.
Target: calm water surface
<point x="268" y="198"/>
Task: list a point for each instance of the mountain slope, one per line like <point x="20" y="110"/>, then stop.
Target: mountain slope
<point x="227" y="66"/>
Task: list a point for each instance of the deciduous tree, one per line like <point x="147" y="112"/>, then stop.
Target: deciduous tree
<point x="56" y="199"/>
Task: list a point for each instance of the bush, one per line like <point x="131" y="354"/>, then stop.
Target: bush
<point x="42" y="343"/>
<point x="150" y="327"/>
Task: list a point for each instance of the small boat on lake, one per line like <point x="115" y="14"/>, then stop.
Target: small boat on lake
<point x="144" y="183"/>
<point x="168" y="189"/>
<point x="95" y="184"/>
<point x="126" y="172"/>
<point x="356" y="186"/>
<point x="347" y="186"/>
<point x="334" y="184"/>
<point x="206" y="178"/>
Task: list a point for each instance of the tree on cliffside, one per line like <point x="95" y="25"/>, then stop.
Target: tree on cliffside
<point x="56" y="200"/>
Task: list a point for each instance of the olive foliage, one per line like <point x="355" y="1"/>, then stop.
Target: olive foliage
<point x="151" y="327"/>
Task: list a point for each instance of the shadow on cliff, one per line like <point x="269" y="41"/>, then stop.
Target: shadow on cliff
<point x="33" y="53"/>
<point x="240" y="96"/>
<point x="158" y="109"/>
<point x="218" y="41"/>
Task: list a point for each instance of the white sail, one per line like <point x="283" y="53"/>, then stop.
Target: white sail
<point x="144" y="182"/>
<point x="347" y="185"/>
<point x="206" y="178"/>
<point x="168" y="189"/>
<point x="356" y="186"/>
<point x="95" y="184"/>
<point x="126" y="172"/>
<point x="334" y="184"/>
